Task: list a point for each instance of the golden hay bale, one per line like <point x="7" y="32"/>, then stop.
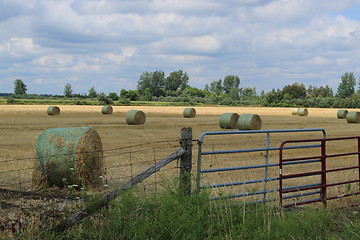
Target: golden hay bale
<point x="303" y="112"/>
<point x="294" y="111"/>
<point x="249" y="122"/>
<point x="53" y="110"/>
<point x="107" y="109"/>
<point x="229" y="120"/>
<point x="189" y="112"/>
<point x="353" y="117"/>
<point x="69" y="156"/>
<point x="135" y="117"/>
<point x="341" y="114"/>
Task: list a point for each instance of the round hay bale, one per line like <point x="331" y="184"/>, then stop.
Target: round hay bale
<point x="294" y="111"/>
<point x="68" y="157"/>
<point x="249" y="122"/>
<point x="303" y="112"/>
<point x="189" y="112"/>
<point x="135" y="117"/>
<point x="53" y="110"/>
<point x="229" y="120"/>
<point x="341" y="114"/>
<point x="353" y="117"/>
<point x="107" y="109"/>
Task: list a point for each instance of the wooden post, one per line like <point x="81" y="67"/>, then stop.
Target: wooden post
<point x="186" y="160"/>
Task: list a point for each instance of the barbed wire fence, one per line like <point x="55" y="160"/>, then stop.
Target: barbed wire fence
<point x="20" y="205"/>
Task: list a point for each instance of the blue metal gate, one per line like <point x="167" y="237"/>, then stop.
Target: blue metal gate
<point x="266" y="165"/>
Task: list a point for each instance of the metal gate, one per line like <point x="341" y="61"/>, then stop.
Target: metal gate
<point x="265" y="164"/>
<point x="346" y="165"/>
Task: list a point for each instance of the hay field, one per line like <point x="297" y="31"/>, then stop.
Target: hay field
<point x="20" y="126"/>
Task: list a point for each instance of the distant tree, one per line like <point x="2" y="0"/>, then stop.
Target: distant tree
<point x="347" y="86"/>
<point x="319" y="92"/>
<point x="67" y="90"/>
<point x="102" y="98"/>
<point x="216" y="87"/>
<point x="19" y="87"/>
<point x="297" y="91"/>
<point x="113" y="96"/>
<point x="231" y="82"/>
<point x="154" y="81"/>
<point x="248" y="92"/>
<point x="176" y="81"/>
<point x="92" y="93"/>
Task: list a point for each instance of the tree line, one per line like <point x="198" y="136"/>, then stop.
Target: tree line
<point x="155" y="86"/>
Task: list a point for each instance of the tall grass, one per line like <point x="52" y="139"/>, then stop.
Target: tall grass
<point x="171" y="215"/>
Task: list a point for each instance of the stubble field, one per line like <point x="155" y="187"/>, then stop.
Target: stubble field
<point x="20" y="126"/>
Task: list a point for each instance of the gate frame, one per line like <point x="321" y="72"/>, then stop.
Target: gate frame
<point x="323" y="172"/>
<point x="265" y="166"/>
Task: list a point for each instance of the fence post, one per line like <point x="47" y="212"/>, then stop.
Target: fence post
<point x="186" y="160"/>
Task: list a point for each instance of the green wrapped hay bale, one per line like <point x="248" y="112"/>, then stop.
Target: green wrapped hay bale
<point x="53" y="110"/>
<point x="69" y="157"/>
<point x="341" y="114"/>
<point x="189" y="112"/>
<point x="107" y="109"/>
<point x="249" y="122"/>
<point x="295" y="111"/>
<point x="229" y="120"/>
<point x="303" y="112"/>
<point x="353" y="117"/>
<point x="135" y="117"/>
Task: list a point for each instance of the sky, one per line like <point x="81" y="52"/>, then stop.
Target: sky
<point x="107" y="44"/>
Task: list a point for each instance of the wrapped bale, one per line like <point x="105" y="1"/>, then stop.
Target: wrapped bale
<point x="189" y="112"/>
<point x="135" y="117"/>
<point x="303" y="112"/>
<point x="107" y="109"/>
<point x="341" y="114"/>
<point x="53" y="110"/>
<point x="249" y="122"/>
<point x="353" y="117"/>
<point x="69" y="157"/>
<point x="229" y="120"/>
<point x="295" y="111"/>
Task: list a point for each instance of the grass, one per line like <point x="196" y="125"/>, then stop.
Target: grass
<point x="171" y="215"/>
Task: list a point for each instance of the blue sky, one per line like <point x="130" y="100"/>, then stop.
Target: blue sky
<point x="107" y="44"/>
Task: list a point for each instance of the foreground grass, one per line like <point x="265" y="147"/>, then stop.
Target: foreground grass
<point x="170" y="215"/>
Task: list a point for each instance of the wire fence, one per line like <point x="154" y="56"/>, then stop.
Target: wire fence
<point x="19" y="201"/>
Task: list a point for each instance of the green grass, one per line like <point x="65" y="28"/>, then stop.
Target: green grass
<point x="170" y="215"/>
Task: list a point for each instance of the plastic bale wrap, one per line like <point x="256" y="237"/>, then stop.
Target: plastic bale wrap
<point x="135" y="117"/>
<point x="353" y="117"/>
<point x="53" y="110"/>
<point x="341" y="114"/>
<point x="249" y="122"/>
<point x="303" y="112"/>
<point x="107" y="109"/>
<point x="189" y="113"/>
<point x="295" y="111"/>
<point x="69" y="157"/>
<point x="229" y="120"/>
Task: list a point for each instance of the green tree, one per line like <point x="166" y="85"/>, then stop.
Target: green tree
<point x="154" y="81"/>
<point x="19" y="87"/>
<point x="216" y="87"/>
<point x="113" y="96"/>
<point x="105" y="100"/>
<point x="297" y="91"/>
<point x="67" y="90"/>
<point x="231" y="82"/>
<point x="347" y="86"/>
<point x="92" y="93"/>
<point x="176" y="81"/>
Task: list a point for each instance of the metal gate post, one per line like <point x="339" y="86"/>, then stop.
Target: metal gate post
<point x="266" y="165"/>
<point x="323" y="172"/>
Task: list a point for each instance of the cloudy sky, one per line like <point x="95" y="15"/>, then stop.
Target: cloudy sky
<point x="107" y="44"/>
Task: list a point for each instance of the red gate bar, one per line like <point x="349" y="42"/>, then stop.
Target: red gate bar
<point x="323" y="186"/>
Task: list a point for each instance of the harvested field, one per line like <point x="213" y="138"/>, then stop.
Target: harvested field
<point x="21" y="125"/>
